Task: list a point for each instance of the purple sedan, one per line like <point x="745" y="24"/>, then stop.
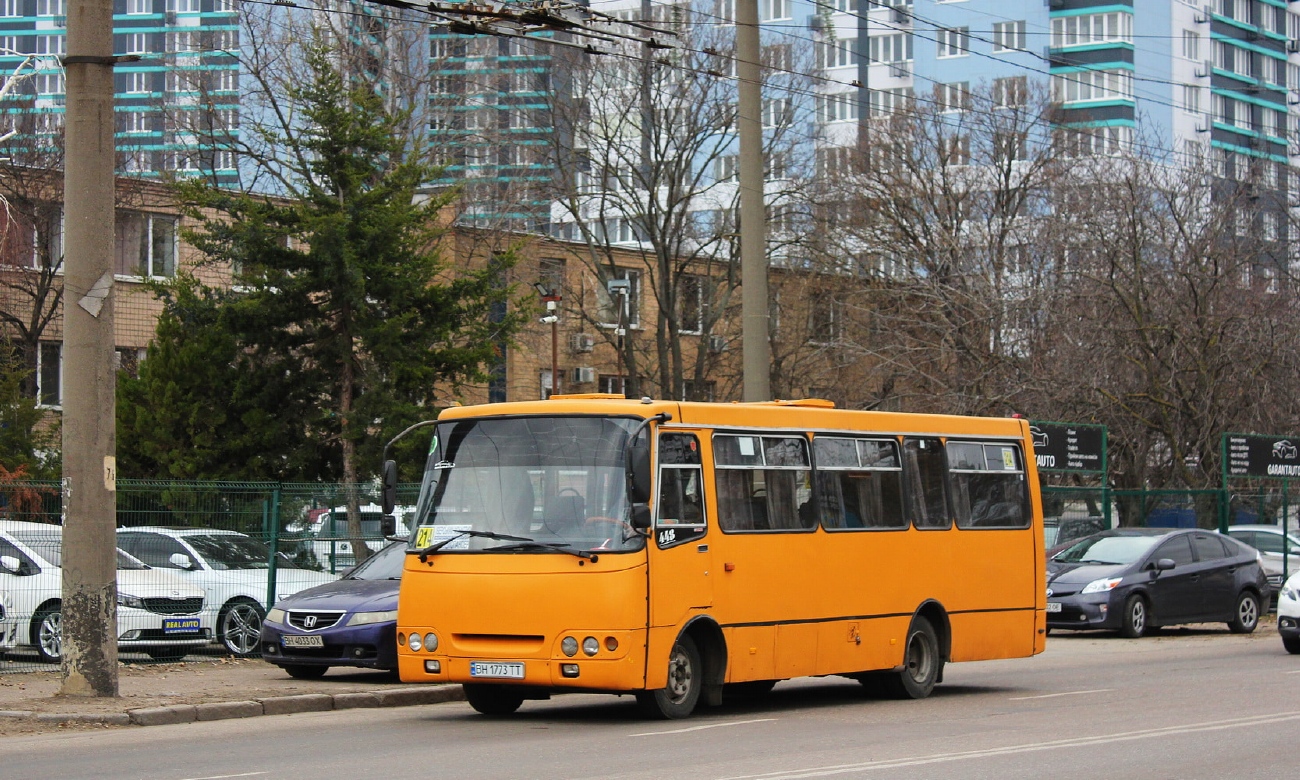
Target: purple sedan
<point x="350" y="622"/>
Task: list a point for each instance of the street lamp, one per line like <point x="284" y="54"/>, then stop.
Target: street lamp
<point x="552" y="300"/>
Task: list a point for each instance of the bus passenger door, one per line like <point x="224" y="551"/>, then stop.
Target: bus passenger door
<point x="680" y="558"/>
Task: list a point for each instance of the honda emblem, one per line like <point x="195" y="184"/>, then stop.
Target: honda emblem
<point x="309" y="621"/>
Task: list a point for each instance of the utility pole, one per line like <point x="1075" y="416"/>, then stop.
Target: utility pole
<point x="89" y="435"/>
<point x="756" y="349"/>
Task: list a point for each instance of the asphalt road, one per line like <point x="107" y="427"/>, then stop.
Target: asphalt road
<point x="1184" y="705"/>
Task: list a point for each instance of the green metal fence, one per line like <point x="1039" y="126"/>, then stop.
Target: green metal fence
<point x="299" y="525"/>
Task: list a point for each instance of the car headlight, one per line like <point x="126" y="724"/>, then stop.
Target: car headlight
<point x="123" y="600"/>
<point x="1290" y="593"/>
<point x="1101" y="586"/>
<point x="367" y="618"/>
<point x="276" y="615"/>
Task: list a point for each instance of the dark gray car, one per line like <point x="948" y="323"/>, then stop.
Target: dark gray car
<point x="1135" y="579"/>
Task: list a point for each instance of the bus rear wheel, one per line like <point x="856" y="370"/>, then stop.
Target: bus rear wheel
<point x="678" y="698"/>
<point x="922" y="664"/>
<point x="493" y="700"/>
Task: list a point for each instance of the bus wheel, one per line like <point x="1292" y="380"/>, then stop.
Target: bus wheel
<point x="685" y="680"/>
<point x="921" y="663"/>
<point x="494" y="700"/>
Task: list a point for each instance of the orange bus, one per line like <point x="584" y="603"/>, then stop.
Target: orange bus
<point x="676" y="551"/>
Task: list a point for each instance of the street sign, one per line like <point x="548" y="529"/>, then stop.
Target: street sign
<point x="1262" y="456"/>
<point x="1069" y="447"/>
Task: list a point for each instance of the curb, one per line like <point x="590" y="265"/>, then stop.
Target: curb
<point x="274" y="705"/>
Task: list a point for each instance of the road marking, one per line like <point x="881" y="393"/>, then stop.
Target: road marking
<point x="1033" y="747"/>
<point x="226" y="777"/>
<point x="701" y="728"/>
<point x="1295" y="672"/>
<point x="1054" y="695"/>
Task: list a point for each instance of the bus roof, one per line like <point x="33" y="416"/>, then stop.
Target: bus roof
<point x="807" y="414"/>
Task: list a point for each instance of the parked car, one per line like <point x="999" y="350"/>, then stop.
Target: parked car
<point x="157" y="612"/>
<point x="232" y="569"/>
<point x="1268" y="539"/>
<point x="1136" y="579"/>
<point x="1060" y="531"/>
<point x="351" y="622"/>
<point x="329" y="529"/>
<point x="1288" y="614"/>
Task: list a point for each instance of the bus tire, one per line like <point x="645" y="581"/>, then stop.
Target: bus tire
<point x="492" y="700"/>
<point x="922" y="663"/>
<point x="678" y="698"/>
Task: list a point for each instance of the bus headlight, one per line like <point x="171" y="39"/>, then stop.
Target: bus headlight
<point x="590" y="646"/>
<point x="413" y="642"/>
<point x="570" y="646"/>
<point x="431" y="642"/>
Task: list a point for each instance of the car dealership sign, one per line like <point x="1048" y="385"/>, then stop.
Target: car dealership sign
<point x="1069" y="447"/>
<point x="1262" y="456"/>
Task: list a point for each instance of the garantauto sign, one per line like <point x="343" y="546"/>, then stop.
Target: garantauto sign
<point x="1263" y="456"/>
<point x="1068" y="447"/>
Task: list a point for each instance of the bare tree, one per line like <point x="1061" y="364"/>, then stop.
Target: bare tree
<point x="646" y="150"/>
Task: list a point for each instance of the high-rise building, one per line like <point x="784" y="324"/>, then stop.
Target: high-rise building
<point x="175" y="105"/>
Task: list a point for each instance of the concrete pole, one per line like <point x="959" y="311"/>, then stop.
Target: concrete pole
<point x="89" y="470"/>
<point x="756" y="349"/>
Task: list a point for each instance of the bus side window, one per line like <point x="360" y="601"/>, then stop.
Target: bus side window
<point x="680" y="505"/>
<point x="859" y="483"/>
<point x="988" y="485"/>
<point x="924" y="475"/>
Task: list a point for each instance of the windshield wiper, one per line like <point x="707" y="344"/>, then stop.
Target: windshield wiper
<point x="436" y="546"/>
<point x="529" y="544"/>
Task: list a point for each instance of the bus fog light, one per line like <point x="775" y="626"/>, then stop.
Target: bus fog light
<point x="413" y="642"/>
<point x="611" y="644"/>
<point x="569" y="670"/>
<point x="590" y="646"/>
<point x="430" y="642"/>
<point x="433" y="667"/>
<point x="569" y="646"/>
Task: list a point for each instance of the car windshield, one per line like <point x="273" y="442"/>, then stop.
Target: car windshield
<point x="49" y="545"/>
<point x="234" y="551"/>
<point x="527" y="485"/>
<point x="1107" y="549"/>
<point x="383" y="565"/>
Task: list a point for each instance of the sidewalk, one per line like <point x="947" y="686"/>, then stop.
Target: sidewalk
<point x="201" y="689"/>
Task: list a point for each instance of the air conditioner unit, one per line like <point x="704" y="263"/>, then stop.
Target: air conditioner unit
<point x="816" y="23"/>
<point x="901" y="16"/>
<point x="1204" y="15"/>
<point x="1293" y="98"/>
<point x="900" y="70"/>
<point x="581" y="342"/>
<point x="1203" y="124"/>
<point x="1293" y="45"/>
<point x="582" y="375"/>
<point x="1205" y="69"/>
<point x="717" y="344"/>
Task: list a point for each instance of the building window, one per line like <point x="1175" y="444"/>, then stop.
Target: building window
<point x="836" y="54"/>
<point x="1008" y="36"/>
<point x="50" y="84"/>
<point x="825" y="323"/>
<point x="1088" y="85"/>
<point x="11" y="8"/>
<point x="139" y="6"/>
<point x="616" y="385"/>
<point x="137" y="82"/>
<point x="724" y="167"/>
<point x="51" y="8"/>
<point x="776" y="112"/>
<point x="1191" y="45"/>
<point x="1114" y="27"/>
<point x="183" y="6"/>
<point x="837" y="108"/>
<point x="885" y="102"/>
<point x="952" y="97"/>
<point x="49" y="373"/>
<point x="690" y="304"/>
<point x="1010" y="92"/>
<point x="890" y="48"/>
<point x="50" y="44"/>
<point x="1191" y="98"/>
<point x="954" y="41"/>
<point x="137" y="43"/>
<point x="773" y="10"/>
<point x="144" y="245"/>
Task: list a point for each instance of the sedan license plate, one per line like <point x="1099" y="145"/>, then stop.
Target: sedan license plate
<point x="180" y="625"/>
<point x="288" y="640"/>
<point x="496" y="669"/>
<point x="1053" y="606"/>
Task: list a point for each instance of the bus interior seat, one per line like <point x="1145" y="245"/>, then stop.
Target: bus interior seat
<point x="564" y="513"/>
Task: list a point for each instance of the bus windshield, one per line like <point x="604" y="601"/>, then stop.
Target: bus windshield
<point x="526" y="485"/>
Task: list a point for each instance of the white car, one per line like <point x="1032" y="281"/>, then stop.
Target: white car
<point x="1269" y="541"/>
<point x="231" y="568"/>
<point x="1288" y="614"/>
<point x="331" y="544"/>
<point x="157" y="612"/>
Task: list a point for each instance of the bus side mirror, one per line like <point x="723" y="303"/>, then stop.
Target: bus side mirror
<point x="387" y="525"/>
<point x="638" y="465"/>
<point x="640" y="517"/>
<point x="390" y="489"/>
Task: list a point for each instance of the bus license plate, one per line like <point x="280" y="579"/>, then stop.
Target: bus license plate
<point x="180" y="625"/>
<point x="1053" y="606"/>
<point x="302" y="641"/>
<point x="495" y="669"/>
